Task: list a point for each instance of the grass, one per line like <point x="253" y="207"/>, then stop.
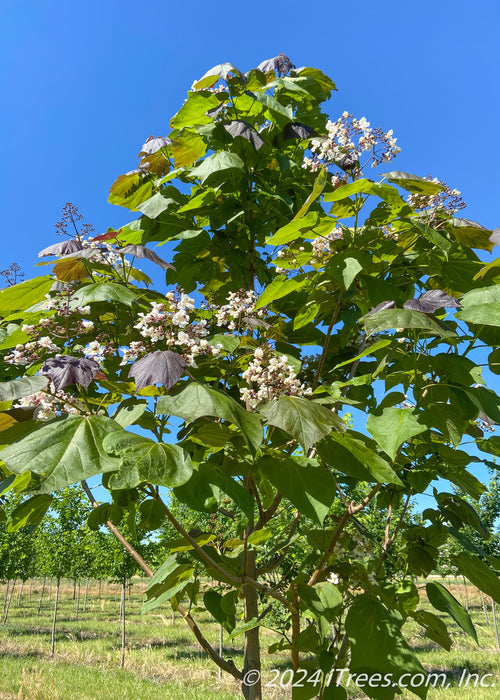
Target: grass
<point x="164" y="661"/>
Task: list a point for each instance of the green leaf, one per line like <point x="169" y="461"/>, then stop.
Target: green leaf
<point x="478" y="573"/>
<point x="130" y="190"/>
<point x="151" y="514"/>
<point x="194" y="109"/>
<point x="143" y="459"/>
<point x="305" y="225"/>
<point x="99" y="516"/>
<point x="107" y="291"/>
<point x="434" y="627"/>
<point x="129" y="411"/>
<point x="487" y="314"/>
<point x="356" y="457"/>
<point x="470" y="234"/>
<point x="366" y="352"/>
<point x="323" y="599"/>
<point x="223" y="609"/>
<point x="187" y="147"/>
<point x="405" y="318"/>
<point x="377" y="646"/>
<point x="170" y="578"/>
<point x="318" y="187"/>
<point x="309" y="487"/>
<point x="17" y="388"/>
<point x="30" y="512"/>
<point x="22" y="296"/>
<point x="394" y="427"/>
<point x="413" y="183"/>
<point x="197" y="400"/>
<point x="182" y="545"/>
<point x="156" y="204"/>
<point x="301" y="418"/>
<point x="280" y="287"/>
<point x="441" y="599"/>
<point x="63" y="451"/>
<point x="220" y="165"/>
<point x="364" y="186"/>
<point x="245" y="627"/>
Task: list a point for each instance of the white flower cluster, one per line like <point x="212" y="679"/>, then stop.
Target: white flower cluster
<point x="321" y="245"/>
<point x="170" y="323"/>
<point x="25" y="354"/>
<point x="240" y="304"/>
<point x="447" y="200"/>
<point x="348" y="138"/>
<point x="270" y="376"/>
<point x="104" y="253"/>
<point x="97" y="351"/>
<point x="47" y="406"/>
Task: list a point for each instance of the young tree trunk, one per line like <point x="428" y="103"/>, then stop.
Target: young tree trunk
<point x="484" y="608"/>
<point x="30" y="590"/>
<point x="50" y="589"/>
<point x="20" y="593"/>
<point x="124" y="585"/>
<point x="53" y="638"/>
<point x="495" y="626"/>
<point x="85" y="596"/>
<point x="100" y="588"/>
<point x="77" y="606"/>
<point x="41" y="597"/>
<point x="466" y="594"/>
<point x="6" y="595"/>
<point x="221" y="650"/>
<point x="9" y="602"/>
<point x="252" y="690"/>
<point x="74" y="588"/>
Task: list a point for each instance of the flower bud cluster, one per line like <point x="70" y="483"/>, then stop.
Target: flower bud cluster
<point x="270" y="376"/>
<point x="240" y="305"/>
<point x="347" y="139"/>
<point x="25" y="354"/>
<point x="447" y="201"/>
<point x="47" y="406"/>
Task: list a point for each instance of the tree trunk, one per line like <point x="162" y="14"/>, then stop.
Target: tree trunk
<point x="6" y="595"/>
<point x="252" y="690"/>
<point x="9" y="602"/>
<point x="30" y="590"/>
<point x="41" y="597"/>
<point x="85" y="596"/>
<point x="466" y="595"/>
<point x="53" y="638"/>
<point x="74" y="588"/>
<point x="124" y="585"/>
<point x="20" y="594"/>
<point x="77" y="606"/>
<point x="50" y="589"/>
<point x="495" y="626"/>
<point x="484" y="608"/>
<point x="100" y="587"/>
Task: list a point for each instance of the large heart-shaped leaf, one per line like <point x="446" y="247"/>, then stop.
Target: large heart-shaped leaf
<point x="63" y="451"/>
<point x="479" y="574"/>
<point x="160" y="367"/>
<point x="143" y="459"/>
<point x="393" y="427"/>
<point x="197" y="400"/>
<point x="441" y="599"/>
<point x="66" y="370"/>
<point x="17" y="388"/>
<point x="71" y="245"/>
<point x="281" y="64"/>
<point x="301" y="418"/>
<point x="108" y="291"/>
<point x="431" y="301"/>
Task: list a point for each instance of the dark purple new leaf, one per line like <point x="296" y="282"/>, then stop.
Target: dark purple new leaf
<point x="154" y="144"/>
<point x="281" y="64"/>
<point x="296" y="131"/>
<point x="431" y="301"/>
<point x="383" y="306"/>
<point x="160" y="367"/>
<point x="243" y="129"/>
<point x="66" y="370"/>
<point x="215" y="110"/>
<point x="141" y="251"/>
<point x="71" y="245"/>
<point x="253" y="322"/>
<point x="349" y="161"/>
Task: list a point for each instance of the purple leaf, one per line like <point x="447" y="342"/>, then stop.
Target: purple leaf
<point x="215" y="110"/>
<point x="141" y="251"/>
<point x="383" y="306"/>
<point x="281" y="64"/>
<point x="154" y="144"/>
<point x="349" y="161"/>
<point x="295" y="130"/>
<point x="431" y="301"/>
<point x="243" y="129"/>
<point x="71" y="245"/>
<point x="66" y="370"/>
<point x="160" y="367"/>
<point x="495" y="237"/>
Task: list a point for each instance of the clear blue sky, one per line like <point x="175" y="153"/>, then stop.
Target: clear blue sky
<point x="84" y="84"/>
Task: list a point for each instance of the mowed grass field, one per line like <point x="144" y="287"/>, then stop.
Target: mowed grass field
<point x="164" y="662"/>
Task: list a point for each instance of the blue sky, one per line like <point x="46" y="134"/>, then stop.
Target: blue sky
<point x="84" y="84"/>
